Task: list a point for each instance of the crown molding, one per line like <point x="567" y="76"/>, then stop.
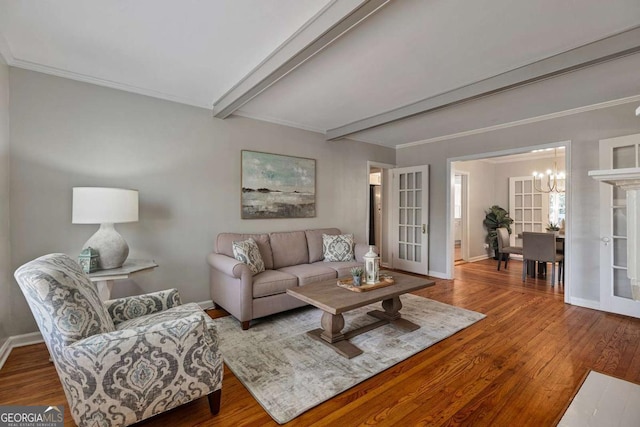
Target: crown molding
<point x="277" y="121"/>
<point x="32" y="66"/>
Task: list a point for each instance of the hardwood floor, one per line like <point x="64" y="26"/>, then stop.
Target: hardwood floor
<point x="520" y="366"/>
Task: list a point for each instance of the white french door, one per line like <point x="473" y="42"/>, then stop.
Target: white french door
<point x="410" y="250"/>
<point x="615" y="287"/>
<point x="528" y="208"/>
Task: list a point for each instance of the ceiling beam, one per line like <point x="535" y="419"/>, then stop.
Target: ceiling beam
<point x="609" y="48"/>
<point x="328" y="25"/>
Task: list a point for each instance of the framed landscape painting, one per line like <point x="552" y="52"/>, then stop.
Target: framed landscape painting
<point x="277" y="186"/>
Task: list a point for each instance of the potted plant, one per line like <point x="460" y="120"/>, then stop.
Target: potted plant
<point x="495" y="218"/>
<point x="553" y="228"/>
<point x="356" y="274"/>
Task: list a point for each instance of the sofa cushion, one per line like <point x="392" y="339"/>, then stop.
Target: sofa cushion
<point x="224" y="245"/>
<point x="289" y="248"/>
<point x="272" y="282"/>
<point x="310" y="273"/>
<point x="247" y="251"/>
<point x="314" y="242"/>
<point x="342" y="268"/>
<point x="338" y="248"/>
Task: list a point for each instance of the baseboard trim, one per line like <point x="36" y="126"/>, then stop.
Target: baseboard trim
<point x="478" y="258"/>
<point x="5" y="350"/>
<point x="206" y="305"/>
<point x="586" y="303"/>
<point x="18" y="341"/>
<point x="437" y="274"/>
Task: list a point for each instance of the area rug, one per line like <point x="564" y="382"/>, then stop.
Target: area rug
<point x="288" y="372"/>
<point x="604" y="401"/>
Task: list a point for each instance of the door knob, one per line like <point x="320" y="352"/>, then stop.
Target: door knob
<point x="424" y="228"/>
<point x="606" y="241"/>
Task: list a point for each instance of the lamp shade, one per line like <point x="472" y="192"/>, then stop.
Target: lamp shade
<point x="99" y="205"/>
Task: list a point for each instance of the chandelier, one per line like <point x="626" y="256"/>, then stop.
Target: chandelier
<point x="555" y="181"/>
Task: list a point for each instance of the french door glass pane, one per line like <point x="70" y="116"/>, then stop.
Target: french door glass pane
<point x="418" y="180"/>
<point x="619" y="197"/>
<point x="619" y="252"/>
<point x="537" y="215"/>
<point x="619" y="222"/>
<point x="624" y="157"/>
<point x="621" y="283"/>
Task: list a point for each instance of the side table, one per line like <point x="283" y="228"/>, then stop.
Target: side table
<point x="105" y="278"/>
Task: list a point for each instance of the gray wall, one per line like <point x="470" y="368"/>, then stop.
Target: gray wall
<point x="5" y="255"/>
<point x="481" y="194"/>
<point x="185" y="164"/>
<point x="584" y="130"/>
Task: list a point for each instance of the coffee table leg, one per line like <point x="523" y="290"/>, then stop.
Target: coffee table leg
<point x="332" y="324"/>
<point x="391" y="314"/>
<point x="331" y="335"/>
<point x="392" y="308"/>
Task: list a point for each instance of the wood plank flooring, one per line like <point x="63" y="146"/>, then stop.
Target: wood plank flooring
<point x="518" y="367"/>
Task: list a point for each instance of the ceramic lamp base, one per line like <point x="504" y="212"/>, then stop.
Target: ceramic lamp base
<point x="110" y="245"/>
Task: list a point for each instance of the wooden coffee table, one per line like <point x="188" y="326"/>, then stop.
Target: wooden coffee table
<point x="334" y="300"/>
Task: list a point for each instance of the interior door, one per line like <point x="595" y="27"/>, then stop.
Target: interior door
<point x="528" y="208"/>
<point x="615" y="287"/>
<point x="410" y="250"/>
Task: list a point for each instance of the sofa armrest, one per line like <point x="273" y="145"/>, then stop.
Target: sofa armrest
<point x="227" y="265"/>
<point x="361" y="249"/>
<point x="128" y="308"/>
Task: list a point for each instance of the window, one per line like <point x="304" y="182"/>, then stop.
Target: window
<point x="457" y="198"/>
<point x="556" y="207"/>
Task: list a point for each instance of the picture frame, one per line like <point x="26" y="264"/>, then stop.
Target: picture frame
<point x="277" y="186"/>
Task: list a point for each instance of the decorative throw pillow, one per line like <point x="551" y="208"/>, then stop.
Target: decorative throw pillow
<point x="337" y="247"/>
<point x="247" y="251"/>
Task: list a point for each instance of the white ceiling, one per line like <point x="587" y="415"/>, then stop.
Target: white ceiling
<point x="194" y="52"/>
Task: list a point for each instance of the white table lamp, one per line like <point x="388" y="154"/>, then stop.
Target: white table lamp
<point x="105" y="206"/>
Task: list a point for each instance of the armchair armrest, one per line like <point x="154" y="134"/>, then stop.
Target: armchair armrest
<point x="130" y="366"/>
<point x="128" y="308"/>
<point x="227" y="265"/>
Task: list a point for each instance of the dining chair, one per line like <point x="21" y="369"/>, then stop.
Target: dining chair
<point x="504" y="247"/>
<point x="541" y="247"/>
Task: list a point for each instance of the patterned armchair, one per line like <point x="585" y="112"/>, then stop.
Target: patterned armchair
<point x="126" y="359"/>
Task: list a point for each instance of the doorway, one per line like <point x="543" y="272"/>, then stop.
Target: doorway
<point x="489" y="174"/>
<point x="460" y="217"/>
<point x="378" y="218"/>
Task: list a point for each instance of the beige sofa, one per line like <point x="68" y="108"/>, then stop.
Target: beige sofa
<point x="291" y="259"/>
